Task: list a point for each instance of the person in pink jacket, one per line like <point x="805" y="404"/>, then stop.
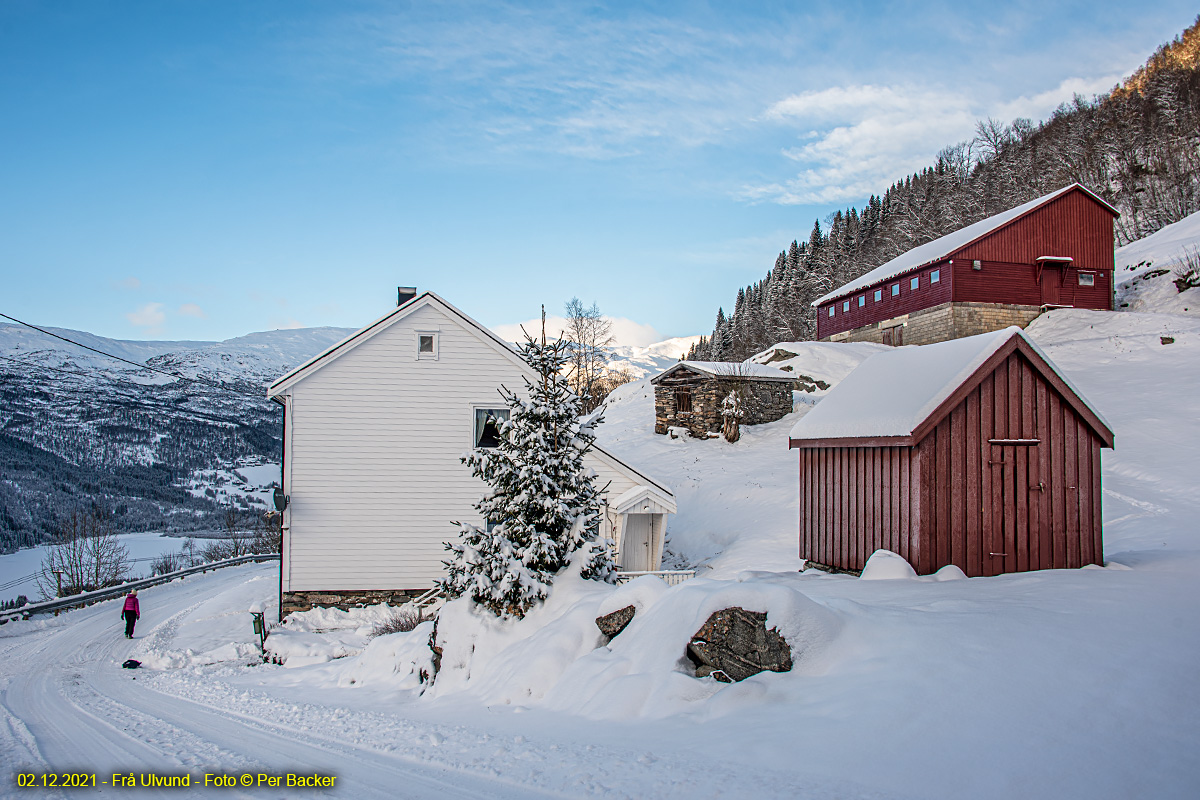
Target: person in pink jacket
<point x="130" y="612"/>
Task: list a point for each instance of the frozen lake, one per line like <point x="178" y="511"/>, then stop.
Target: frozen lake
<point x="19" y="570"/>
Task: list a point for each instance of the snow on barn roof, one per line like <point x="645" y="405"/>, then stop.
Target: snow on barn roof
<point x="938" y="249"/>
<point x="730" y="369"/>
<point x="892" y="393"/>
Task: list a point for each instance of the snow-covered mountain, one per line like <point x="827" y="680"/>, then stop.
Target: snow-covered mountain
<point x="151" y="450"/>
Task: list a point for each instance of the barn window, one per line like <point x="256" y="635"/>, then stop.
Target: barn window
<point x="878" y="295"/>
<point x="846" y="305"/>
<point x="862" y="300"/>
<point x="427" y="345"/>
<point x="487" y="426"/>
<point x="935" y="276"/>
<point x="915" y="283"/>
<point x="895" y="290"/>
<point x="1087" y="279"/>
<point x="683" y="400"/>
<point x="831" y="311"/>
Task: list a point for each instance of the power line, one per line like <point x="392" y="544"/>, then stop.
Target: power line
<point x="175" y="375"/>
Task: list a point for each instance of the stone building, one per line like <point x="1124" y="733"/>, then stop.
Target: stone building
<point x="691" y="393"/>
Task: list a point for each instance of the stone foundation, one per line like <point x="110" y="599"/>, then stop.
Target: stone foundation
<point x="943" y="322"/>
<point x="345" y="599"/>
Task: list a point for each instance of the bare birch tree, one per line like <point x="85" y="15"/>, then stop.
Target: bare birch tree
<point x="588" y="333"/>
<point x="85" y="554"/>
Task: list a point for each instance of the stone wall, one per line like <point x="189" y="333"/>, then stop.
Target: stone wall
<point x="767" y="402"/>
<point x="944" y="322"/>
<point x="345" y="600"/>
<point x="770" y="400"/>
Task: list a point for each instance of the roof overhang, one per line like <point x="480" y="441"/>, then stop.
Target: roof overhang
<point x="644" y="499"/>
<point x="383" y="323"/>
<point x="732" y="376"/>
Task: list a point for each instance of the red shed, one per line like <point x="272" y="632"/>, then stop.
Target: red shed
<point x="1054" y="251"/>
<point x="975" y="452"/>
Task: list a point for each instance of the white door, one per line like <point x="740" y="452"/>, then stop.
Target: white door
<point x="635" y="543"/>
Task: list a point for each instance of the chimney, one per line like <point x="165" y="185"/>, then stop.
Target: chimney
<point x="404" y="294"/>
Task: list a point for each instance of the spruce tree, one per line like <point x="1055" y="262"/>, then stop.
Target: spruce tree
<point x="542" y="504"/>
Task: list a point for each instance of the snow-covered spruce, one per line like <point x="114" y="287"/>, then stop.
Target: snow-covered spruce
<point x="542" y="504"/>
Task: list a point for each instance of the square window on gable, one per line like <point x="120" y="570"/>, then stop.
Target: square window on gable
<point x="915" y="283"/>
<point x="878" y="295"/>
<point x="895" y="290"/>
<point x="935" y="276"/>
<point x="427" y="345"/>
<point x="862" y="300"/>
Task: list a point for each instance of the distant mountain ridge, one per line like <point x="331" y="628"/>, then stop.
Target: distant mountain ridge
<point x="79" y="428"/>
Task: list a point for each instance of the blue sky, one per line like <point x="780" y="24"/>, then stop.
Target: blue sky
<point x="200" y="170"/>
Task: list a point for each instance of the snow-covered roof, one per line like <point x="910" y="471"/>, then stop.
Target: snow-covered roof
<point x="892" y="393"/>
<point x="730" y="369"/>
<point x="938" y="249"/>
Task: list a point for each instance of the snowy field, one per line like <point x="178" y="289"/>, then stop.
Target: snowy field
<point x="1054" y="684"/>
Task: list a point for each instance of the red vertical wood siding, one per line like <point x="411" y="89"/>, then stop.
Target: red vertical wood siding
<point x="957" y="498"/>
<point x="927" y="295"/>
<point x="1072" y="225"/>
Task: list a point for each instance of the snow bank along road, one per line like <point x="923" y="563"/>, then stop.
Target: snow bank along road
<point x="69" y="707"/>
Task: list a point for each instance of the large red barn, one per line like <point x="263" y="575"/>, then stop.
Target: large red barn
<point x="1005" y="270"/>
<point x="975" y="452"/>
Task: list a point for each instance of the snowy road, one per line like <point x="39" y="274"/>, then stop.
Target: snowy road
<point x="68" y="706"/>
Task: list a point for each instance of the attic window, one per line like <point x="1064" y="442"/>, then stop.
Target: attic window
<point x="1087" y="279"/>
<point x="895" y="290"/>
<point x="683" y="398"/>
<point x="427" y="345"/>
<point x="878" y="295"/>
<point x="487" y="426"/>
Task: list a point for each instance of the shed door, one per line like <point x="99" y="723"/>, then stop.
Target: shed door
<point x="1013" y="533"/>
<point x="635" y="543"/>
<point x="1052" y="284"/>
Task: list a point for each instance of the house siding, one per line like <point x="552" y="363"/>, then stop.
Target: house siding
<point x="373" y="470"/>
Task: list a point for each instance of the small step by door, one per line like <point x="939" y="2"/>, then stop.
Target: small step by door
<point x="636" y="543"/>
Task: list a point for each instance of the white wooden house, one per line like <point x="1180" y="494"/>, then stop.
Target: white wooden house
<point x="374" y="429"/>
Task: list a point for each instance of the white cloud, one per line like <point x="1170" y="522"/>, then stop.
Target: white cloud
<point x="858" y="139"/>
<point x="1041" y="105"/>
<point x="192" y="310"/>
<point x="285" y="324"/>
<point x="150" y="316"/>
<point x="625" y="331"/>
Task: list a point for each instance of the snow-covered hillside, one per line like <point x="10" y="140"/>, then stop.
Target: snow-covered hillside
<point x="1146" y="270"/>
<point x="1054" y="684"/>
